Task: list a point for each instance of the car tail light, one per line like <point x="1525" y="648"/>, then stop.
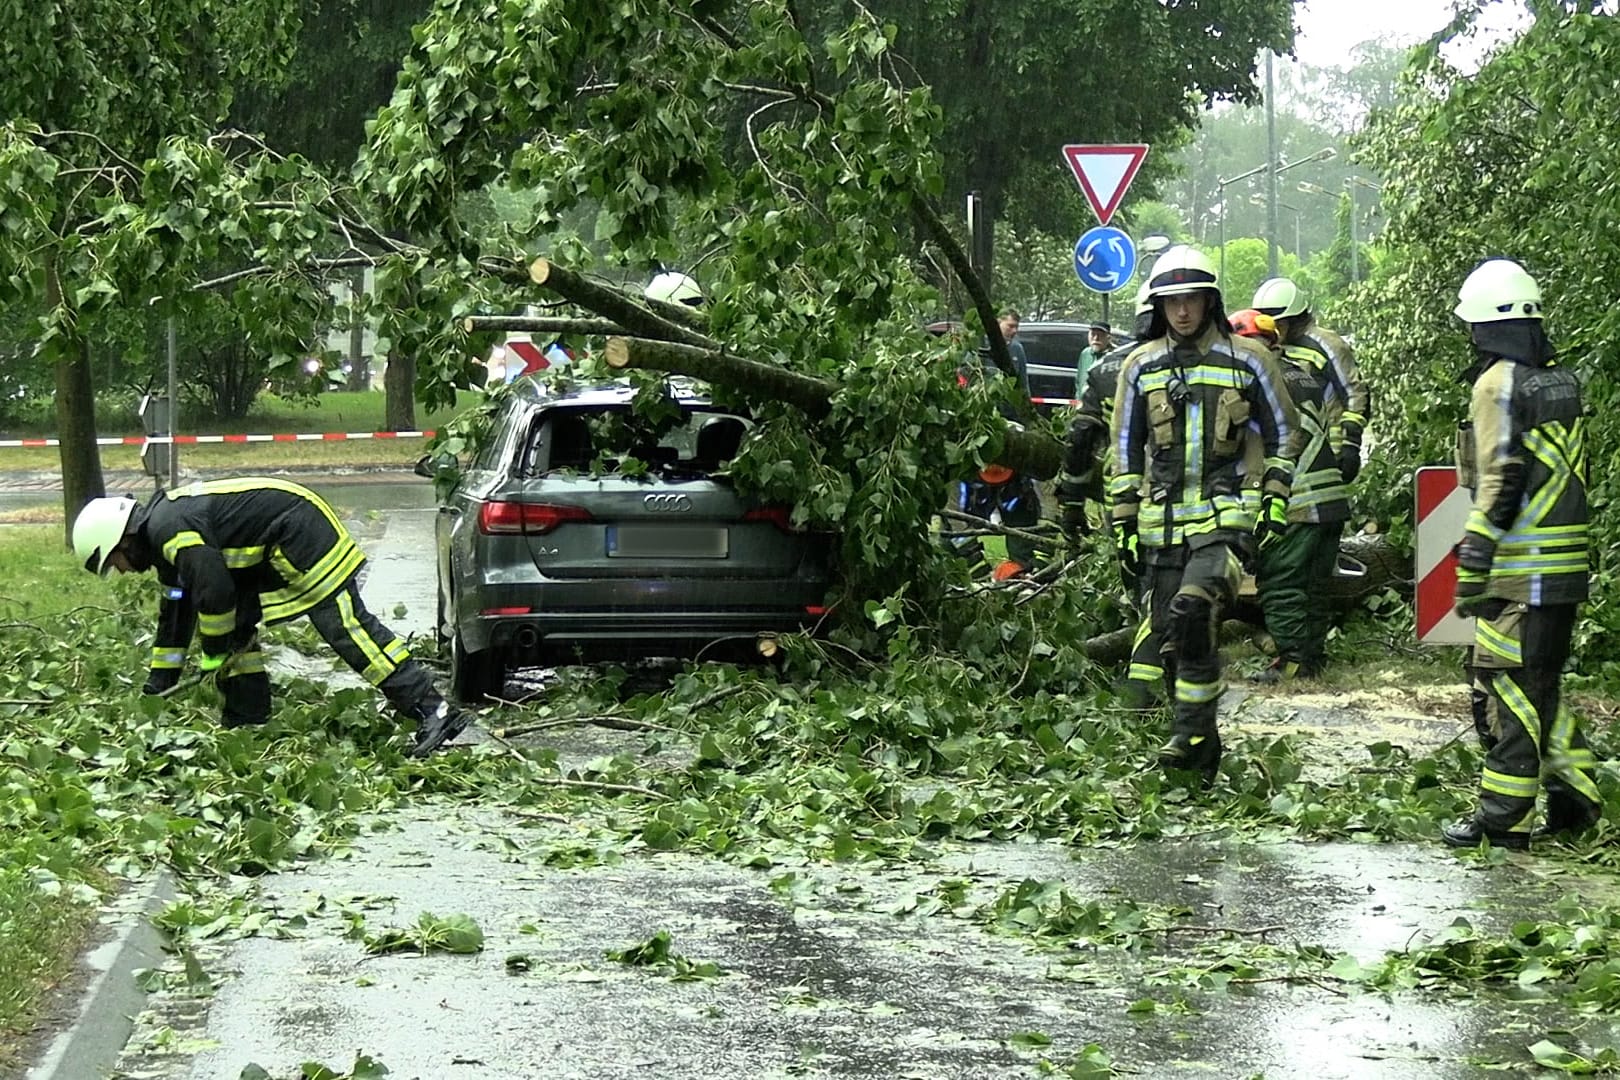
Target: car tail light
<point x="528" y="519"/>
<point x="506" y="611"/>
<point x="780" y="516"/>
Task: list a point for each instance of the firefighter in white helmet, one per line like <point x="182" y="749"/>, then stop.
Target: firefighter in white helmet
<point x="1186" y="403"/>
<point x="1522" y="562"/>
<point x="230" y="554"/>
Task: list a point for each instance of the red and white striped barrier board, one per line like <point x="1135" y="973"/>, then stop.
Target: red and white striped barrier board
<point x="193" y="440"/>
<point x="1442" y="514"/>
<point x="1056" y="401"/>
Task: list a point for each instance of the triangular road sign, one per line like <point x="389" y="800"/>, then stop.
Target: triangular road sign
<point x="1104" y="172"/>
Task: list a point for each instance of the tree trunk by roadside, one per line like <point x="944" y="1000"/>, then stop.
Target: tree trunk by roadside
<point x="75" y="418"/>
<point x="399" y="388"/>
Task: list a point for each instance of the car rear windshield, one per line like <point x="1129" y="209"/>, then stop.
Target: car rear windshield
<point x="600" y="439"/>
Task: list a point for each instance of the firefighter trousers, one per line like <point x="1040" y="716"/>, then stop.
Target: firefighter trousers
<point x="374" y="652"/>
<point x="1187" y="587"/>
<point x="1518" y="663"/>
<point x="1294" y="567"/>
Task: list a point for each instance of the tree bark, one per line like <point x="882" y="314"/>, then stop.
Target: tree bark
<point x="399" y="389"/>
<point x="615" y="305"/>
<point x="531" y="324"/>
<point x="75" y="417"/>
<point x="1024" y="451"/>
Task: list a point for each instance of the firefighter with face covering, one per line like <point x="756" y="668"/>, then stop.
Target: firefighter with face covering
<point x="1186" y="401"/>
<point x="1295" y="565"/>
<point x="1085" y="468"/>
<point x="1522" y="562"/>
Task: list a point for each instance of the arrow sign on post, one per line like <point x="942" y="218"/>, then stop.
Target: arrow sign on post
<point x="1104" y="172"/>
<point x="1104" y="259"/>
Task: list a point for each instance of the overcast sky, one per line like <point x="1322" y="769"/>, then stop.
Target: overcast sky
<point x="1329" y="28"/>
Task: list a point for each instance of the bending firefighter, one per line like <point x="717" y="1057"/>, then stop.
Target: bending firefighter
<point x="1522" y="562"/>
<point x="230" y="554"/>
<point x="1295" y="564"/>
<point x="1185" y="403"/>
<point x="1085" y="469"/>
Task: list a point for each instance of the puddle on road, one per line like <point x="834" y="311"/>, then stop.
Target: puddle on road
<point x="824" y="981"/>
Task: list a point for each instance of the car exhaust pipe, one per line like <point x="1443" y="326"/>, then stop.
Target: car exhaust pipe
<point x="527" y="637"/>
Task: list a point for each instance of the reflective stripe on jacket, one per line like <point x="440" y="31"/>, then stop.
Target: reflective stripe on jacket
<point x="1181" y="418"/>
<point x="211" y="542"/>
<point x="1318" y="494"/>
<point x="1342" y="369"/>
<point x="1530" y="476"/>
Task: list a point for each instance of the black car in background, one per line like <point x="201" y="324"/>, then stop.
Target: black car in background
<point x="1052" y="348"/>
<point x="558" y="543"/>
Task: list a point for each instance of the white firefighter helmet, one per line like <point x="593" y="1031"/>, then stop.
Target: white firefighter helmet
<point x="1281" y="298"/>
<point x="1144" y="300"/>
<point x="674" y="287"/>
<point x="1181" y="269"/>
<point x="1498" y="289"/>
<point x="98" y="529"/>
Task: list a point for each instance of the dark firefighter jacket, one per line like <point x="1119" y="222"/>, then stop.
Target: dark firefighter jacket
<point x="1525" y="463"/>
<point x="1181" y="416"/>
<point x="1318" y="494"/>
<point x="1083" y="454"/>
<point x="214" y="543"/>
<point x="1341" y="369"/>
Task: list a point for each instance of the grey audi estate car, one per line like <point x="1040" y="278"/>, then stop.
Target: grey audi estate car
<point x="549" y="552"/>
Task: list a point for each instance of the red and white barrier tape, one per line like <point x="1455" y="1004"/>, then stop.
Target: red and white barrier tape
<point x="1056" y="401"/>
<point x="193" y="440"/>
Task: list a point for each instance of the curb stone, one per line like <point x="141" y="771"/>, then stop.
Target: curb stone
<point x="105" y="1017"/>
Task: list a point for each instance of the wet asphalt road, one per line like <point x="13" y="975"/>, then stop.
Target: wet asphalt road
<point x="825" y="982"/>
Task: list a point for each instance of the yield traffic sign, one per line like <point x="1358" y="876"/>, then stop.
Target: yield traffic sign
<point x="1104" y="259"/>
<point x="1104" y="171"/>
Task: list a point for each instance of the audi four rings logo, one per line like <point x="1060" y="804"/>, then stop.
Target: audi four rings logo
<point x="666" y="504"/>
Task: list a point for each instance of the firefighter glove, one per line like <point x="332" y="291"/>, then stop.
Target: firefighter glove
<point x="1129" y="550"/>
<point x="1474" y="556"/>
<point x="160" y="681"/>
<point x="210" y="663"/>
<point x="1273" y="519"/>
<point x="1349" y="462"/>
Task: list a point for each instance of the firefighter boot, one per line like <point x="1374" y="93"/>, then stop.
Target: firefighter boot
<point x="437" y="722"/>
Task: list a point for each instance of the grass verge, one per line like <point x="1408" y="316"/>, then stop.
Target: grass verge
<point x="48" y="891"/>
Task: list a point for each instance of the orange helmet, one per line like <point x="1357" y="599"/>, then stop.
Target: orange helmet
<point x="1007" y="569"/>
<point x="1255" y="324"/>
<point x="995" y="474"/>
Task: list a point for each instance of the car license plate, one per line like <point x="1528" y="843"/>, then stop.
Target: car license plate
<point x="667" y="542"/>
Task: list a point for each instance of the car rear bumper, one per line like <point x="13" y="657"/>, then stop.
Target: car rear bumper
<point x="541" y="636"/>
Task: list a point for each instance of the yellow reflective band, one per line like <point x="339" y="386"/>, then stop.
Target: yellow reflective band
<point x="1192" y="693"/>
<point x="217" y="624"/>
<point x="397" y="651"/>
<point x="246" y="663"/>
<point x="1139" y="672"/>
<point x="1493" y="640"/>
<point x="1519" y="706"/>
<point x="243" y="557"/>
<point x="179" y="542"/>
<point x="164" y="659"/>
<point x="305" y="591"/>
<point x="380" y="667"/>
<point x="1515" y="787"/>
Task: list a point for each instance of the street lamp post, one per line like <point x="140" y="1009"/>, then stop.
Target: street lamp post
<point x="1298" y="249"/>
<point x="1327" y="153"/>
<point x="1350" y="185"/>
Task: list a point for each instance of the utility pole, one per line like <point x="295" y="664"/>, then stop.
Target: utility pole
<point x="174" y="410"/>
<point x="1271" y="170"/>
<point x="1355" y="238"/>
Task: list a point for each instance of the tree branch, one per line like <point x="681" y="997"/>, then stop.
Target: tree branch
<point x="530" y="324"/>
<point x="1025" y="451"/>
<point x="615" y="305"/>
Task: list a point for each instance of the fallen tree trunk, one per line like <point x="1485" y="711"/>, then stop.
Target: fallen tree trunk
<point x="1024" y="451"/>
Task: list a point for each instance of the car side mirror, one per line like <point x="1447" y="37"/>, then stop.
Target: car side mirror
<point x="424" y="467"/>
